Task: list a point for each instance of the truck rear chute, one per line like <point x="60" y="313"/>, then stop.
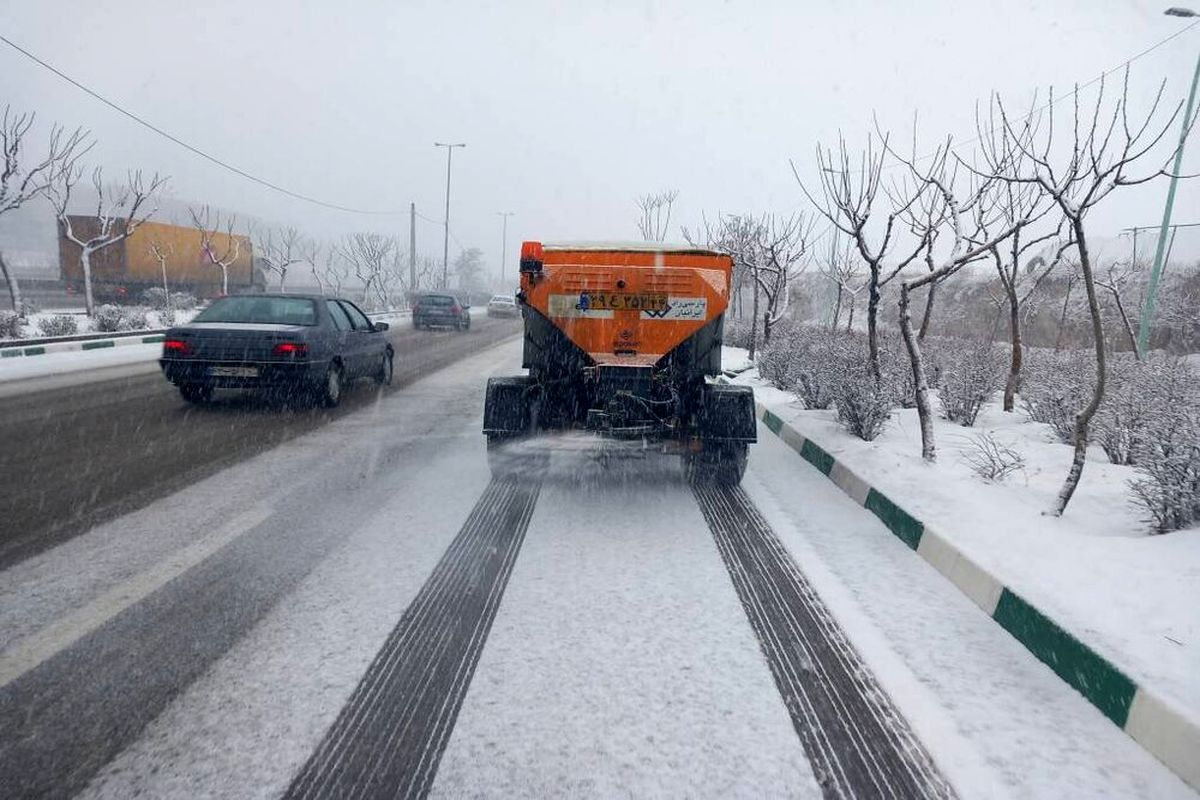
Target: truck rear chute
<point x="619" y="342"/>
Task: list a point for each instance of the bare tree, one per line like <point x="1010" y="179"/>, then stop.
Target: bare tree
<point x="22" y="181"/>
<point x="279" y="250"/>
<point x="120" y="210"/>
<point x="655" y="219"/>
<point x="1015" y="203"/>
<point x="368" y="255"/>
<point x="956" y="206"/>
<point x="163" y="250"/>
<point x="842" y="268"/>
<point x="1072" y="279"/>
<point x="1114" y="280"/>
<point x="219" y="252"/>
<point x="310" y="253"/>
<point x="332" y="273"/>
<point x="769" y="250"/>
<point x="849" y="189"/>
<point x="1104" y="146"/>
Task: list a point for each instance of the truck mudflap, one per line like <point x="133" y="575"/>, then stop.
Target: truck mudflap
<point x="507" y="405"/>
<point x="727" y="414"/>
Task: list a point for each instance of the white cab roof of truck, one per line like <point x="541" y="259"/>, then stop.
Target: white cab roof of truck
<point x="640" y="247"/>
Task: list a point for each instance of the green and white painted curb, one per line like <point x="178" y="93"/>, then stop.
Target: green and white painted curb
<point x="67" y="347"/>
<point x="1165" y="731"/>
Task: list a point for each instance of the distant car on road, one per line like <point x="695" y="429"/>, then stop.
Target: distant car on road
<point x="503" y="305"/>
<point x="307" y="344"/>
<point x="440" y="309"/>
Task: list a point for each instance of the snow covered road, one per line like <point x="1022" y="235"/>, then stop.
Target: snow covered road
<point x="361" y="611"/>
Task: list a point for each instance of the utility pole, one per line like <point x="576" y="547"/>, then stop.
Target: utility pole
<point x="412" y="247"/>
<point x="1143" y="342"/>
<point x="503" y="241"/>
<point x="446" y="238"/>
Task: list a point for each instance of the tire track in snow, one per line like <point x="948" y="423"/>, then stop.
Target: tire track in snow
<point x="857" y="742"/>
<point x="389" y="738"/>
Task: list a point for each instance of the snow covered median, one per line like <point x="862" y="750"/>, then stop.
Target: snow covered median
<point x="1096" y="573"/>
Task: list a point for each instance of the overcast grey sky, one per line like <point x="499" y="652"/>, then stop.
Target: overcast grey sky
<point x="569" y="110"/>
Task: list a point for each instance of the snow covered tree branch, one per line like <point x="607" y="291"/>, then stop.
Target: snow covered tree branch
<point x="22" y="181"/>
<point x="220" y="247"/>
<point x="120" y="210"/>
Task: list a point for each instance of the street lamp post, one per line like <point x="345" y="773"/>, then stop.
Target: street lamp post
<point x="1143" y="343"/>
<point x="446" y="236"/>
<point x="503" y="241"/>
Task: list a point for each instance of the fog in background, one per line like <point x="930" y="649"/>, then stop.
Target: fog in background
<point x="569" y="110"/>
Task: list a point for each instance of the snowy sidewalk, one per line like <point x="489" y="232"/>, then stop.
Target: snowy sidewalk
<point x="1108" y="607"/>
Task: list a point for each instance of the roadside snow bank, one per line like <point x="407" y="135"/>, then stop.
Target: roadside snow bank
<point x="735" y="359"/>
<point x="1130" y="596"/>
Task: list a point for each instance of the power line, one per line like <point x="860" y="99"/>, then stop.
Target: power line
<point x="1093" y="81"/>
<point x="189" y="147"/>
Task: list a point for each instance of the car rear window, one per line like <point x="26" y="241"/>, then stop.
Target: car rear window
<point x="437" y="300"/>
<point x="269" y="310"/>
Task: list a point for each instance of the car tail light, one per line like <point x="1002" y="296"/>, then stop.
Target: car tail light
<point x="176" y="347"/>
<point x="291" y="349"/>
<point x="454" y="309"/>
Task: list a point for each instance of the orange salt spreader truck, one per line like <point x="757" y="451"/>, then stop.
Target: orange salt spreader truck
<point x="619" y="343"/>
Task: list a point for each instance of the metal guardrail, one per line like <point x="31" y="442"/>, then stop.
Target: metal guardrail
<point x="91" y="337"/>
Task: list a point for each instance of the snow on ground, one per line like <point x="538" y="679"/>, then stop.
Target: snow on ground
<point x="621" y="663"/>
<point x="735" y="359"/>
<point x="245" y="727"/>
<point x="24" y="367"/>
<point x="999" y="723"/>
<point x="86" y="324"/>
<point x="1131" y="596"/>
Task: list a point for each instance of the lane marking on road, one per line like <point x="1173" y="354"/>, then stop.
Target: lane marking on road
<point x="389" y="738"/>
<point x="37" y="648"/>
<point x="856" y="740"/>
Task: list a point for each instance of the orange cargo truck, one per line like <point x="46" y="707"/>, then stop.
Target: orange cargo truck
<point x="124" y="269"/>
<point x="620" y="341"/>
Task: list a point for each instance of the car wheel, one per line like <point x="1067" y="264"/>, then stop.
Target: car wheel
<point x="330" y="392"/>
<point x="467" y="324"/>
<point x="196" y="393"/>
<point x="384" y="376"/>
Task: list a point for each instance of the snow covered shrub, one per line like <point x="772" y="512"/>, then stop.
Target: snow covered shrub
<point x="1169" y="464"/>
<point x="181" y="301"/>
<point x="864" y="406"/>
<point x="108" y="318"/>
<point x="58" y="325"/>
<point x="990" y="459"/>
<point x="1140" y="398"/>
<point x="166" y="317"/>
<point x="133" y="318"/>
<point x="776" y="358"/>
<point x="824" y="359"/>
<point x="810" y="361"/>
<point x="155" y="297"/>
<point x="1056" y="387"/>
<point x="10" y="325"/>
<point x="970" y="376"/>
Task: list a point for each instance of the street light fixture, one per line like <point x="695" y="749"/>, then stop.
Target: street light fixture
<point x="446" y="236"/>
<point x="503" y="241"/>
<point x="1143" y="343"/>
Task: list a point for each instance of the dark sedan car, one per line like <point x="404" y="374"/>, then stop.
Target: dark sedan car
<point x="295" y="343"/>
<point x="440" y="309"/>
